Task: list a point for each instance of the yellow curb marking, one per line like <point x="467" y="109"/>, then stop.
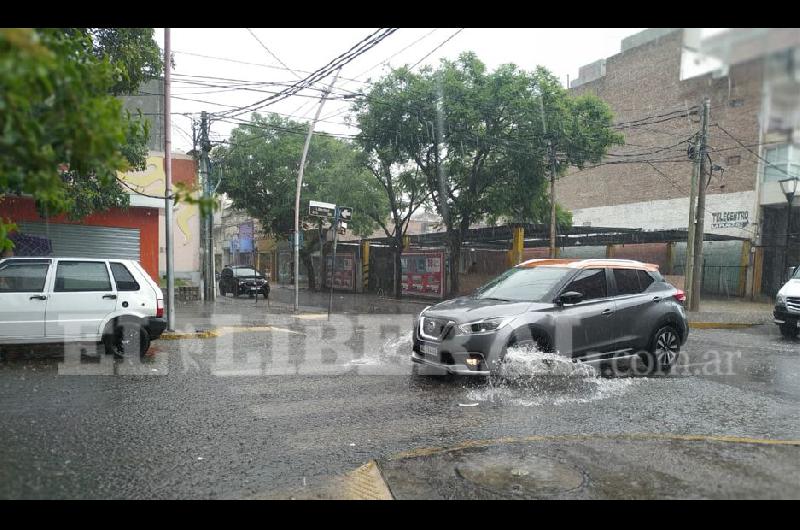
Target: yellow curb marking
<point x="311" y="316"/>
<point x="719" y="325"/>
<point x="225" y="329"/>
<point x="366" y="483"/>
<point x="427" y="451"/>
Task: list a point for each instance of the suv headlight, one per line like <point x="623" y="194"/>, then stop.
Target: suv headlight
<point x="780" y="299"/>
<point x="488" y="325"/>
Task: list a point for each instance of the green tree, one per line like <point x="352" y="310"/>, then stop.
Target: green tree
<point x="63" y="133"/>
<point x="259" y="167"/>
<point x="479" y="138"/>
<point x="383" y="155"/>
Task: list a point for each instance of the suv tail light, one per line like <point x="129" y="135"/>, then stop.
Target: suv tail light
<point x="160" y="308"/>
<point x="680" y="296"/>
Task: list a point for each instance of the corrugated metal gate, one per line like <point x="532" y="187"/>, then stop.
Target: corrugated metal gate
<point x="80" y="241"/>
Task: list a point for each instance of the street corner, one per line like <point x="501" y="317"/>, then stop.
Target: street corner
<point x="597" y="467"/>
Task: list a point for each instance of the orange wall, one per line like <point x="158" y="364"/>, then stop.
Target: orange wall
<point x="145" y="219"/>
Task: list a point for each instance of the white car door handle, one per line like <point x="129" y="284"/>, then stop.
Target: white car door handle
<point x="38" y="297"/>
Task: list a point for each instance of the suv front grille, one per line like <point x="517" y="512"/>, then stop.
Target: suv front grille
<point x="793" y="304"/>
<point x="433" y="328"/>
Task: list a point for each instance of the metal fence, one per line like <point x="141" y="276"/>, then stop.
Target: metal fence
<point x="721" y="280"/>
<point x="724" y="280"/>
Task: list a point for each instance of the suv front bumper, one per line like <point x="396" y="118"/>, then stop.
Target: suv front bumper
<point x="782" y="315"/>
<point x="452" y="352"/>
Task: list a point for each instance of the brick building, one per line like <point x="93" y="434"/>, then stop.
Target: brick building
<point x="650" y="86"/>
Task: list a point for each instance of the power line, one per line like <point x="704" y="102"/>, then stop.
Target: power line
<point x="228" y="59"/>
<point x="358" y="49"/>
<point x="385" y="61"/>
<point x="272" y="54"/>
<point x="436" y="48"/>
<point x="720" y="127"/>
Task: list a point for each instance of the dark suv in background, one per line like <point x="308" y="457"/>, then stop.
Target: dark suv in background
<point x="590" y="310"/>
<point x="239" y="280"/>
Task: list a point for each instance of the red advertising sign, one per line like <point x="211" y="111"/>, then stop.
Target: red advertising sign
<point x="423" y="274"/>
<point x="345" y="272"/>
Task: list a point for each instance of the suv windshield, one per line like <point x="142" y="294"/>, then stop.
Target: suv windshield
<point x="796" y="275"/>
<point x="245" y="272"/>
<point x="524" y="284"/>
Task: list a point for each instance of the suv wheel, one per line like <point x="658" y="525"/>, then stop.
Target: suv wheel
<point x="789" y="329"/>
<point x="127" y="339"/>
<point x="665" y="347"/>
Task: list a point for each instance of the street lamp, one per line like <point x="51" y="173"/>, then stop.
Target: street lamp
<point x="789" y="189"/>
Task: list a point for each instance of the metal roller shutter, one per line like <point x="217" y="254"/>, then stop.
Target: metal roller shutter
<point x="80" y="241"/>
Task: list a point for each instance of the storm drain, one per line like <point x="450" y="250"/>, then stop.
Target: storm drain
<point x="528" y="476"/>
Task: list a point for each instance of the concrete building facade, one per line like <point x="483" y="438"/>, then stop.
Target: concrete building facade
<point x="753" y="119"/>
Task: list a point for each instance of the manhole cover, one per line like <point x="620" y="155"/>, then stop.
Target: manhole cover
<point x="521" y="475"/>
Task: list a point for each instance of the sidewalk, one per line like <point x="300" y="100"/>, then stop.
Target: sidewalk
<point x="199" y="317"/>
<point x="730" y="313"/>
<point x="194" y="317"/>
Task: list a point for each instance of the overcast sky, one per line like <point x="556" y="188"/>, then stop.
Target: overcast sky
<point x="242" y="57"/>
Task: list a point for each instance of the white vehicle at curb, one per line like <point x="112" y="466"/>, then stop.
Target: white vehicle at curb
<point x="787" y="306"/>
<point x="58" y="300"/>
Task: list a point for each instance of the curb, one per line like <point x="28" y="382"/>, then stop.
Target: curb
<point x="722" y="325"/>
<point x="197" y="335"/>
<point x="367" y="484"/>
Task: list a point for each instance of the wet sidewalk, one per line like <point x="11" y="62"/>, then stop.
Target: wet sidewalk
<point x="733" y="312"/>
<point x="242" y="311"/>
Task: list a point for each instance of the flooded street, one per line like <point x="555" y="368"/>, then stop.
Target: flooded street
<point x="280" y="411"/>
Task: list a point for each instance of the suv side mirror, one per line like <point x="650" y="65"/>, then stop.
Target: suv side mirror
<point x="570" y="297"/>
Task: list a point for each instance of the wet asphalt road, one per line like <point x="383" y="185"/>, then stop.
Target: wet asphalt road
<point x="281" y="408"/>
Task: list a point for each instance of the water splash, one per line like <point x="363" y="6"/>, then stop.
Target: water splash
<point x="529" y="377"/>
<point x="394" y="351"/>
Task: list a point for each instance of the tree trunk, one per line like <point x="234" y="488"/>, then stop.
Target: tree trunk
<point x="454" y="240"/>
<point x="309" y="263"/>
<point x="398" y="272"/>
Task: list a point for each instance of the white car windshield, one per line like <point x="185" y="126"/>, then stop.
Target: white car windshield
<point x="245" y="272"/>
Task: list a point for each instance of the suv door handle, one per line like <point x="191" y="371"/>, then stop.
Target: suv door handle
<point x="109" y="297"/>
<point x="38" y="297"/>
<point x="656" y="299"/>
<point x="606" y="312"/>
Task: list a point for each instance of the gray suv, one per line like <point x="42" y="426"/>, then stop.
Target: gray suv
<point x="590" y="310"/>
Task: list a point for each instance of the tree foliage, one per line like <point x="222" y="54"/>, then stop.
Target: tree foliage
<point x="480" y="139"/>
<point x="259" y="168"/>
<point x="63" y="133"/>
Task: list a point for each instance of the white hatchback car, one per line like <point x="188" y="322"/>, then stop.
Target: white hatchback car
<point x="787" y="306"/>
<point x="113" y="301"/>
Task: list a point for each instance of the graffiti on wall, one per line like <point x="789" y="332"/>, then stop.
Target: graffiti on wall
<point x="730" y="219"/>
<point x="151" y="180"/>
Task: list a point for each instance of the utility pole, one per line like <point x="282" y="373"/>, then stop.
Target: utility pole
<point x="206" y="244"/>
<point x="552" y="199"/>
<point x="335" y="229"/>
<point x="296" y="242"/>
<point x="552" y="160"/>
<point x="168" y="235"/>
<point x="689" y="269"/>
<point x="697" y="277"/>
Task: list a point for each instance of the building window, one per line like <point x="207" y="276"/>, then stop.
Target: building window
<point x="782" y="162"/>
<point x="736" y="102"/>
<point x="733" y="160"/>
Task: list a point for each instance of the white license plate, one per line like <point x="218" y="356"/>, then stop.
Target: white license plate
<point x="429" y="349"/>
